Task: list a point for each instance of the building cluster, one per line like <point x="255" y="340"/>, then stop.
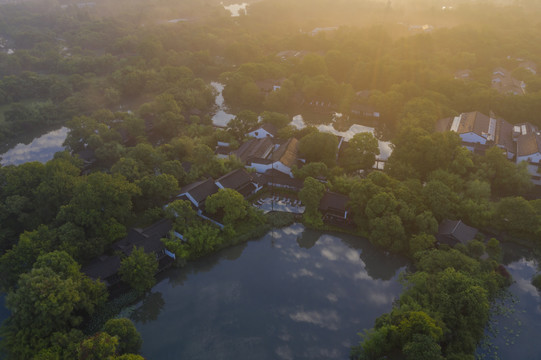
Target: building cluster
<point x="502" y="80"/>
<point x="504" y="83"/>
<point x="520" y="142"/>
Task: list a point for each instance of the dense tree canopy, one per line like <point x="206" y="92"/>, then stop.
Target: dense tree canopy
<point x="49" y="300"/>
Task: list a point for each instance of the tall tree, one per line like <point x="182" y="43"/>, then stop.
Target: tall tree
<point x="245" y="121"/>
<point x="52" y="298"/>
<point x="360" y="152"/>
<point x="311" y="194"/>
<point x="138" y="269"/>
<point x="319" y="147"/>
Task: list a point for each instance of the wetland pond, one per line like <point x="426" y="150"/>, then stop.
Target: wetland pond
<point x="293" y="294"/>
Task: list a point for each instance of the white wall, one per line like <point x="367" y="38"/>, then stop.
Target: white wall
<point x="262" y="168"/>
<point x="261" y="133"/>
<point x="533" y="158"/>
<point x="473" y="138"/>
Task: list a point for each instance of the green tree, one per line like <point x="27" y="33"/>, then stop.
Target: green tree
<point x="100" y="205"/>
<point x="422" y="347"/>
<point x="440" y="199"/>
<point x="52" y="298"/>
<point x="277" y="119"/>
<point x="98" y="347"/>
<point x="536" y="281"/>
<point x="21" y="257"/>
<point x="382" y="204"/>
<point x="245" y="121"/>
<point x="517" y="215"/>
<point x="493" y="249"/>
<point x="421" y="242"/>
<point x="319" y="147"/>
<point x="232" y="204"/>
<point x="360" y="152"/>
<point x="505" y="177"/>
<point x="182" y="213"/>
<point x="138" y="269"/>
<point x="388" y="232"/>
<point x="155" y="190"/>
<point x="129" y="339"/>
<point x="202" y="239"/>
<point x="310" y="195"/>
<point x="315" y="169"/>
<point x="421" y="112"/>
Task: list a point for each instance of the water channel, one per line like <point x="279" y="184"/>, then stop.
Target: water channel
<point x="236" y="9"/>
<point x="293" y="294"/>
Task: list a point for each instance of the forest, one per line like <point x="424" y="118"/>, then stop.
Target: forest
<point x="131" y="81"/>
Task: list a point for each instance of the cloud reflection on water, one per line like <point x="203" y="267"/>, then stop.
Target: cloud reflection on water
<point x="328" y="319"/>
<point x="41" y="149"/>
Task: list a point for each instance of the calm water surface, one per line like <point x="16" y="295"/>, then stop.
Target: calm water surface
<point x="221" y="118"/>
<point x="294" y="294"/>
<point x="41" y="148"/>
<point x="235" y="9"/>
<point x="516" y="324"/>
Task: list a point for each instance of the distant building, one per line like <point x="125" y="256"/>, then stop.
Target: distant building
<point x="322" y="30"/>
<point x="364" y="111"/>
<point x="463" y="74"/>
<point x="421" y="28"/>
<point x="521" y="142"/>
<point x="479" y="131"/>
<point x="269" y="85"/>
<point x="292" y="54"/>
<point x="504" y="83"/>
<point x="528" y="65"/>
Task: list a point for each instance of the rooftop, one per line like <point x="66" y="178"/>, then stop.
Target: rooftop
<point x="456" y="230"/>
<point x="287" y="153"/>
<point x="254" y="148"/>
<point x="528" y="144"/>
<point x="200" y="190"/>
<point x="149" y="238"/>
<point x="333" y="201"/>
<point x="236" y="179"/>
<point x="102" y="268"/>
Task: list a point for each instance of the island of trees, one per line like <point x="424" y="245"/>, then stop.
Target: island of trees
<point x="133" y="87"/>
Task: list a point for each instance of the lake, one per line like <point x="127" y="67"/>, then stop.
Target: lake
<point x="38" y="148"/>
<point x="299" y="293"/>
<point x="515" y="325"/>
<point x="293" y="294"/>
